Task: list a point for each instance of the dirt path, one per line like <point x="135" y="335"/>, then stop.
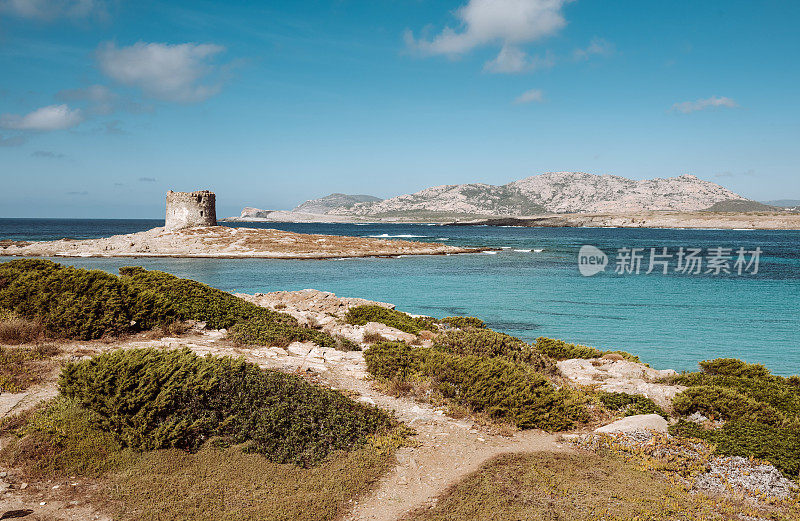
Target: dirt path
<point x="447" y="449"/>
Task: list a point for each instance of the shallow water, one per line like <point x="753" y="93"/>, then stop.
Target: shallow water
<point x="531" y="287"/>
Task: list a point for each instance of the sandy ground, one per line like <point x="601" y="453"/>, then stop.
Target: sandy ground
<point x="655" y="219"/>
<point x="225" y="242"/>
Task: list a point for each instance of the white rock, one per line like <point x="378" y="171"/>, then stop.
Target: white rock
<point x="636" y="423"/>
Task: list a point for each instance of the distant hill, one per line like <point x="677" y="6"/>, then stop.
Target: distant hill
<point x="323" y="205"/>
<point x="554" y="192"/>
<point x="739" y="205"/>
<point x="784" y="203"/>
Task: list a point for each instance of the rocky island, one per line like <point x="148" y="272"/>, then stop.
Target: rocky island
<point x="191" y="230"/>
<point x="564" y="199"/>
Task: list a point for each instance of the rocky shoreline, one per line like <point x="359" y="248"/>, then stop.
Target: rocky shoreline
<point x="222" y="242"/>
<point x="651" y="219"/>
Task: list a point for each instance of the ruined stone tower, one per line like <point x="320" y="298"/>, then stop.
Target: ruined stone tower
<point x="188" y="209"/>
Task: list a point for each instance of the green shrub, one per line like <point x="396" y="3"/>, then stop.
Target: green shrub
<point x="82" y="304"/>
<point x="630" y="404"/>
<point x="762" y="411"/>
<point x="734" y="367"/>
<point x="463" y="322"/>
<point x="186" y="299"/>
<point x="68" y="302"/>
<point x="726" y="404"/>
<point x="502" y="389"/>
<point x="742" y="437"/>
<point x="152" y="399"/>
<point x="560" y="350"/>
<point x="360" y="315"/>
<point x="488" y="343"/>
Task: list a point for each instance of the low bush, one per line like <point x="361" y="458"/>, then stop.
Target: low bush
<point x="761" y="411"/>
<point x="154" y="399"/>
<point x="360" y="315"/>
<point x="500" y="388"/>
<point x="86" y="304"/>
<point x="743" y="437"/>
<point x="488" y="343"/>
<point x="560" y="350"/>
<point x="463" y="322"/>
<point x="68" y="302"/>
<point x="726" y="404"/>
<point x="630" y="404"/>
<point x="734" y="367"/>
<point x="371" y="337"/>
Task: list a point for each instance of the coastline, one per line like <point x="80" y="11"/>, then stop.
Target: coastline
<point x="666" y="219"/>
<point x="661" y="219"/>
<point x="222" y="242"/>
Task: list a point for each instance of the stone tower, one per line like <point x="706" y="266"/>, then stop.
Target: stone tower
<point x="188" y="209"/>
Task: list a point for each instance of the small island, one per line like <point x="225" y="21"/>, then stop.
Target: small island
<point x="191" y="230"/>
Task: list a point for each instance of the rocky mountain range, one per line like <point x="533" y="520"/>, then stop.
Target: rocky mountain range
<point x="554" y="192"/>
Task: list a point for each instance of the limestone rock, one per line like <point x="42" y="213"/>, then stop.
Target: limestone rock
<point x="636" y="423"/>
<point x="621" y="376"/>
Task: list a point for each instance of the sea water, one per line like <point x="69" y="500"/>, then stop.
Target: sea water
<point x="531" y="286"/>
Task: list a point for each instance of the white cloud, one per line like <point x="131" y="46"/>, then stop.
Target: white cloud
<point x="48" y="10"/>
<point x="490" y="22"/>
<point x="687" y="107"/>
<point x="530" y="96"/>
<point x="52" y="117"/>
<point x="513" y="60"/>
<point x="163" y="71"/>
<point x="597" y="47"/>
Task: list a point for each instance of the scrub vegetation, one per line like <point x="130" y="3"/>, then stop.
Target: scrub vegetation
<point x="760" y="411"/>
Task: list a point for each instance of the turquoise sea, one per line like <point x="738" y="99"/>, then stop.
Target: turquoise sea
<point x="532" y="287"/>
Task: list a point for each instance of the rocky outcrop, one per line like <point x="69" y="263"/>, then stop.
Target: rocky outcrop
<point x="224" y="242"/>
<point x="556" y="192"/>
<point x="621" y="376"/>
<point x="636" y="423"/>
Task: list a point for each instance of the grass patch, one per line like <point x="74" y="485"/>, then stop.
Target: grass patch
<point x="224" y="484"/>
<point x="23" y="367"/>
<point x="65" y="439"/>
<point x="501" y="389"/>
<point x="361" y="315"/>
<point x="16" y="330"/>
<point x="154" y="399"/>
<point x="560" y="350"/>
<point x="570" y="487"/>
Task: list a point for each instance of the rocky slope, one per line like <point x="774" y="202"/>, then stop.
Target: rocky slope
<point x="557" y="192"/>
<point x="325" y="204"/>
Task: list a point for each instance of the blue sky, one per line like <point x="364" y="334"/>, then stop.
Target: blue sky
<point x="106" y="105"/>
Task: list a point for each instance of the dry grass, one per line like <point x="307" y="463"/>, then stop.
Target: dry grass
<point x="16" y="330"/>
<point x="23" y="367"/>
<point x="572" y="487"/>
<point x="224" y="484"/>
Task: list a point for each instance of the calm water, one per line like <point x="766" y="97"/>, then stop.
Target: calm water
<point x="672" y="320"/>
